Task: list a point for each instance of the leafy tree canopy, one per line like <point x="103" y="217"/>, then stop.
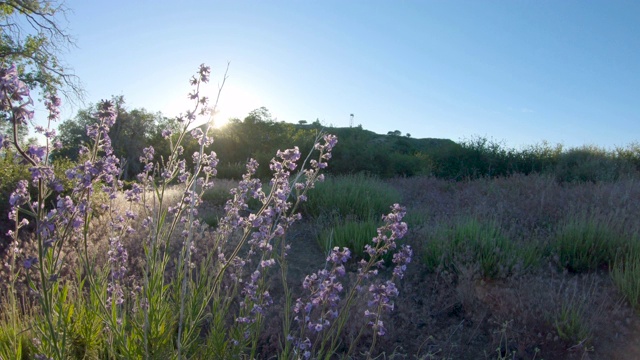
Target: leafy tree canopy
<point x="33" y="38"/>
<point x="133" y="131"/>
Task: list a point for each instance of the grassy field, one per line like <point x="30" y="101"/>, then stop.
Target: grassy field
<point x="509" y="268"/>
<point x="520" y="268"/>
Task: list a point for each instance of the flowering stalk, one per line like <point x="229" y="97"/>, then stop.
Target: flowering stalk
<point x="51" y="294"/>
<point x="260" y="231"/>
<point x="154" y="290"/>
<point x="203" y="164"/>
<point x="167" y="314"/>
<point x="322" y="318"/>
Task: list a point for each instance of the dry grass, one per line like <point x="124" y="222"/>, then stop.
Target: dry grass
<point x="547" y="311"/>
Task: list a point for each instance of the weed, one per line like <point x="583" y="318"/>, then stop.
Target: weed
<point x="570" y="324"/>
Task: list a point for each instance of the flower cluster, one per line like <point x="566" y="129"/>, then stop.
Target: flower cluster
<point x="14" y="96"/>
<point x="60" y="222"/>
<point x="320" y="310"/>
<point x="117" y="259"/>
<point x="324" y="290"/>
<point x="385" y="241"/>
<point x="248" y="242"/>
<point x="260" y="229"/>
<point x="381" y="293"/>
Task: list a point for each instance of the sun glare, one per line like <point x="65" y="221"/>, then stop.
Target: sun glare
<point x="236" y="101"/>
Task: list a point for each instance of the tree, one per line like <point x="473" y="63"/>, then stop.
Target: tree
<point x="133" y="131"/>
<point x="32" y="38"/>
<point x="6" y="129"/>
<point x="259" y="115"/>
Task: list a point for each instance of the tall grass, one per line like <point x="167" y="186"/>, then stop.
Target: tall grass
<point x="587" y="242"/>
<point x="350" y="211"/>
<point x="351" y="234"/>
<point x="470" y="241"/>
<point x="625" y="273"/>
<point x="355" y="197"/>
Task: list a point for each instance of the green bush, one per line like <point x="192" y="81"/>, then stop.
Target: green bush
<point x="585" y="243"/>
<point x="354" y="197"/>
<point x="351" y="234"/>
<point x="211" y="219"/>
<point x="230" y="170"/>
<point x="11" y="171"/>
<point x="216" y="196"/>
<point x="471" y="242"/>
<point x="591" y="164"/>
<point x="625" y="273"/>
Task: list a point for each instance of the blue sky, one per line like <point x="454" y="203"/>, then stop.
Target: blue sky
<point x="516" y="71"/>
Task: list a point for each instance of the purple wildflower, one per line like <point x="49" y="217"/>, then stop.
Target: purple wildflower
<point x="37" y="153"/>
<point x="29" y="262"/>
<point x="117" y="259"/>
<point x="148" y="153"/>
<point x="21" y="195"/>
<point x="12" y="91"/>
<point x="52" y="103"/>
<point x="106" y="113"/>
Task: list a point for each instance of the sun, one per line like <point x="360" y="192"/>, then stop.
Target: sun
<point x="236" y="101"/>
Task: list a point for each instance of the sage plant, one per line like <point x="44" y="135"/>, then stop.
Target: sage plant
<point x="321" y="315"/>
<point x="172" y="306"/>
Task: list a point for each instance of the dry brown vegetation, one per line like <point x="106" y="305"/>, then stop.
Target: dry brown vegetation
<point x="541" y="311"/>
<point x="536" y="308"/>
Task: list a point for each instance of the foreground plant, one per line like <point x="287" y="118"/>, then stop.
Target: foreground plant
<point x="321" y="315"/>
<point x="172" y="306"/>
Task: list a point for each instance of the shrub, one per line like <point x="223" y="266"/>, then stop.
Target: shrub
<point x="231" y="170"/>
<point x="354" y="197"/>
<point x="591" y="164"/>
<point x="167" y="303"/>
<point x="470" y="242"/>
<point x="585" y="243"/>
<point x="216" y="196"/>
